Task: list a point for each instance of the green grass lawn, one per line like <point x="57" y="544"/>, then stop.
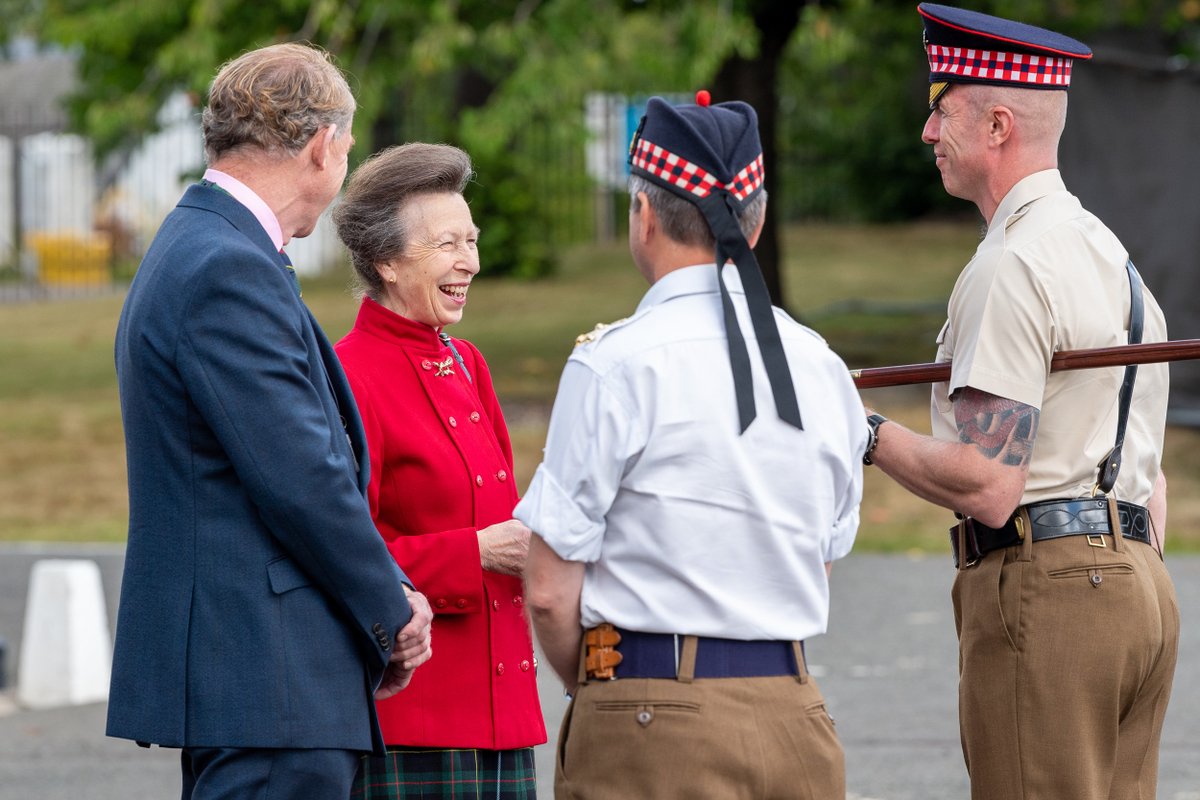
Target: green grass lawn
<point x="876" y="293"/>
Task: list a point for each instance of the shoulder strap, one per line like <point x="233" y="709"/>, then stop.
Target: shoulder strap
<point x="1110" y="465"/>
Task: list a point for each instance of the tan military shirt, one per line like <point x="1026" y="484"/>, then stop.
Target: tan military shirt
<point x="1050" y="276"/>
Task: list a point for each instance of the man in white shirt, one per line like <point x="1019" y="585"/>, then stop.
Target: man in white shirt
<point x="682" y="538"/>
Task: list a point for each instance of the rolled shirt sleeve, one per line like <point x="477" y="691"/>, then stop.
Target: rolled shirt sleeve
<point x="588" y="444"/>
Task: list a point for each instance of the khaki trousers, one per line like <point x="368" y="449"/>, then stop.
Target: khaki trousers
<point x="715" y="738"/>
<point x="1066" y="656"/>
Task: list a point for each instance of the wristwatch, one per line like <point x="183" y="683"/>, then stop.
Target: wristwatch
<point x="873" y="423"/>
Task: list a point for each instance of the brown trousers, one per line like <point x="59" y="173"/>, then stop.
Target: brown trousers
<point x="752" y="738"/>
<point x="1066" y="656"/>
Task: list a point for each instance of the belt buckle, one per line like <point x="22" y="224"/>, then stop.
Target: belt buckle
<point x="602" y="656"/>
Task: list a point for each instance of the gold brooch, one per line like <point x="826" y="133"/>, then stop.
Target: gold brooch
<point x="444" y="368"/>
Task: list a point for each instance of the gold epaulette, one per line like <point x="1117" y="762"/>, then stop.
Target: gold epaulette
<point x="597" y="331"/>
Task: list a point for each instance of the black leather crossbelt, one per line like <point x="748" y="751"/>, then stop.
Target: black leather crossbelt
<point x="1051" y="519"/>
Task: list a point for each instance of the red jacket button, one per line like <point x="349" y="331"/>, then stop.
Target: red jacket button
<point x="524" y="666"/>
<point x="453" y="422"/>
<point x="440" y="602"/>
<point x="479" y="480"/>
<point x="474" y="416"/>
<point x="500" y="669"/>
<point x="461" y="602"/>
<point x="427" y="364"/>
<point x="495" y="605"/>
<point x="518" y="601"/>
<point x="502" y="476"/>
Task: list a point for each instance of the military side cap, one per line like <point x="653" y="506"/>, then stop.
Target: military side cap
<point x="697" y="150"/>
<point x="711" y="156"/>
<point x="969" y="47"/>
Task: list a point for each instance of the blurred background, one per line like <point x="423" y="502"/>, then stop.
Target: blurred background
<point x="99" y="136"/>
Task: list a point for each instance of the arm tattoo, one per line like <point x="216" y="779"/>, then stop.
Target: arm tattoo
<point x="1002" y="429"/>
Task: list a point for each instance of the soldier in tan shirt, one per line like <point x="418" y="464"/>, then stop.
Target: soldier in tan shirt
<point x="1068" y="634"/>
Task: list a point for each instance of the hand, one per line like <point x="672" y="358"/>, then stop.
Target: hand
<point x="503" y="547"/>
<point x="395" y="680"/>
<point x="414" y="646"/>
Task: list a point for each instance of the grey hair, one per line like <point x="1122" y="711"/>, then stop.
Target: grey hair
<point x="369" y="219"/>
<point x="275" y="99"/>
<point x="683" y="222"/>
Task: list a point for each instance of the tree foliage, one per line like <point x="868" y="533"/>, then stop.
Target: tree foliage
<point x="853" y="97"/>
<point x="505" y="79"/>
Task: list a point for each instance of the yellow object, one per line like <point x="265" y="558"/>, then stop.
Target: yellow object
<point x="72" y="259"/>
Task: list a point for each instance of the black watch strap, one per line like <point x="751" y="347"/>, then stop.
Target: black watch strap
<point x="873" y="423"/>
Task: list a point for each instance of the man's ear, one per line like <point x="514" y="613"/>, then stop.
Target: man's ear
<point x="1001" y="121"/>
<point x="320" y="145"/>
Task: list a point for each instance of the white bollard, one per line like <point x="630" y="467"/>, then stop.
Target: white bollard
<point x="66" y="652"/>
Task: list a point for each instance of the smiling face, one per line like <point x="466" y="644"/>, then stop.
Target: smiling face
<point x="428" y="282"/>
<point x="958" y="132"/>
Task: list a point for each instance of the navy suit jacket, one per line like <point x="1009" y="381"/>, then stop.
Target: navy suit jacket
<point x="258" y="602"/>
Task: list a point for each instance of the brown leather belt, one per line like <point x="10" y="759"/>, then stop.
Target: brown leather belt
<point x="1050" y="519"/>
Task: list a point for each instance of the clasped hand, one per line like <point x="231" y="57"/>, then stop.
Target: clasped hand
<point x="413" y="647"/>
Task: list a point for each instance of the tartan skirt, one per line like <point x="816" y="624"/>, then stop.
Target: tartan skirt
<point x="413" y="773"/>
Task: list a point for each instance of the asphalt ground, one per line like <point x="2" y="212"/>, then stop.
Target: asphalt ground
<point x="888" y="669"/>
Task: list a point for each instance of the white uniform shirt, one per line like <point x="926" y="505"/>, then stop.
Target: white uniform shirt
<point x="1050" y="276"/>
<point x="685" y="526"/>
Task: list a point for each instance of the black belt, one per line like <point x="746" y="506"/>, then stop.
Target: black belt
<point x="654" y="655"/>
<point x="1052" y="519"/>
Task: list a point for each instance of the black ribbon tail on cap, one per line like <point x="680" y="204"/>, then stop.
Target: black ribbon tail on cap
<point x="739" y="357"/>
<point x="731" y="243"/>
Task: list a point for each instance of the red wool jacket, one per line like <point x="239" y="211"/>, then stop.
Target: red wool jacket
<point x="441" y="470"/>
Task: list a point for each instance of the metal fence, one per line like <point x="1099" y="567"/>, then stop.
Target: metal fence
<point x="74" y="223"/>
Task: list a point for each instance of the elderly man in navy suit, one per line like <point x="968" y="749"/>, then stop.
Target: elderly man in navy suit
<point x="260" y="610"/>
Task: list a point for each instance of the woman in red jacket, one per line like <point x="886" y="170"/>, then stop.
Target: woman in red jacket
<point x="442" y="489"/>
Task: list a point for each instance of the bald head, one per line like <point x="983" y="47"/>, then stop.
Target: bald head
<point x="1039" y="115"/>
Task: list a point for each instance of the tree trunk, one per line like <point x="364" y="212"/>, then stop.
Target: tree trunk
<point x="755" y="81"/>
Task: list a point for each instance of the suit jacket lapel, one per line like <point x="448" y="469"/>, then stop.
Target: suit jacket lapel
<point x="347" y="407"/>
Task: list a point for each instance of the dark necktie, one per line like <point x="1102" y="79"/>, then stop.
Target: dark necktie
<point x="291" y="271"/>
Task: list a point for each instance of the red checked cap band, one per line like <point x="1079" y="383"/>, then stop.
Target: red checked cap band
<point x="678" y="172"/>
<point x="969" y="47"/>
